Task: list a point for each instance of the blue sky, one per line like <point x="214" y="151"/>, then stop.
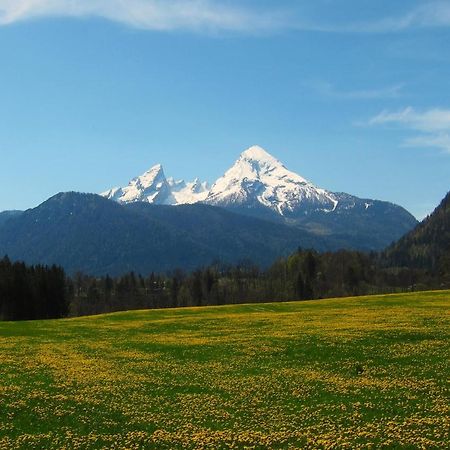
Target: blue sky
<point x="352" y="94"/>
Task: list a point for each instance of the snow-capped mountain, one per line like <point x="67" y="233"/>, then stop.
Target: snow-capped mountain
<point x="260" y="185"/>
<point x="257" y="179"/>
<point x="154" y="187"/>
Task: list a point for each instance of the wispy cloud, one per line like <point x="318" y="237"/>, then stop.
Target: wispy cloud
<point x="328" y="90"/>
<point x="215" y="15"/>
<point x="434" y="124"/>
<point x="162" y="15"/>
<point x="431" y="120"/>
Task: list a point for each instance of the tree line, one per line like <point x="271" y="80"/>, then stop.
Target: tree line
<point x="32" y="292"/>
<point x="38" y="292"/>
<point x="304" y="275"/>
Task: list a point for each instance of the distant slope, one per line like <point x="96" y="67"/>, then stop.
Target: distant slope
<point x="351" y="226"/>
<point x="89" y="233"/>
<point x="355" y="225"/>
<point x="231" y="234"/>
<point x="428" y="245"/>
<point x="6" y="215"/>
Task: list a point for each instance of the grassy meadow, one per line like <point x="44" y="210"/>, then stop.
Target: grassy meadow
<point x="368" y="372"/>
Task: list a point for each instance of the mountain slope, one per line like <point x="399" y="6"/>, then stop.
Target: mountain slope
<point x="232" y="236"/>
<point x="6" y="215"/>
<point x="89" y="233"/>
<point x="428" y="245"/>
<point x="356" y="225"/>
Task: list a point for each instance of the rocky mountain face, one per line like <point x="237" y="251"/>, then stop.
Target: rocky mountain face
<point x="258" y="180"/>
<point x="153" y="187"/>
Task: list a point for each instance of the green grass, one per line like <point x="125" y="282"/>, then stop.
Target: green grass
<point x="367" y="372"/>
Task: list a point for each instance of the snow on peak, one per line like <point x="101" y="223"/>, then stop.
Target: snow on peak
<point x="257" y="153"/>
<point x="154" y="187"/>
<point x="257" y="178"/>
<point x="150" y="187"/>
<point x="189" y="193"/>
<point x="153" y="172"/>
<point x="151" y="178"/>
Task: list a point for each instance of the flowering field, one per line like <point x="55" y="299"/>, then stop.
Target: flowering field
<point x="368" y="372"/>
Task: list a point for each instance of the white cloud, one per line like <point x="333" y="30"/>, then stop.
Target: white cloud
<point x="162" y="15"/>
<point x="213" y="15"/>
<point x="429" y="121"/>
<point x="434" y="124"/>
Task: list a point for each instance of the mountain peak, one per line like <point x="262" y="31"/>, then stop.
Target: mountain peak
<point x="155" y="168"/>
<point x="154" y="175"/>
<point x="151" y="187"/>
<point x="154" y="187"/>
<point x="257" y="153"/>
<point x="257" y="179"/>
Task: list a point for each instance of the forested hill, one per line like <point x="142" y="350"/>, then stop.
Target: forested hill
<point x="428" y="245"/>
<point x="88" y="233"/>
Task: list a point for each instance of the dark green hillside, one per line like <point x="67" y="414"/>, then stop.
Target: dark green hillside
<point x="89" y="233"/>
<point x="85" y="232"/>
<point x="232" y="234"/>
<point x="428" y="246"/>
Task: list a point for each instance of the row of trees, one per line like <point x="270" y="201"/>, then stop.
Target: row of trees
<point x="39" y="292"/>
<point x="35" y="292"/>
<point x="304" y="275"/>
